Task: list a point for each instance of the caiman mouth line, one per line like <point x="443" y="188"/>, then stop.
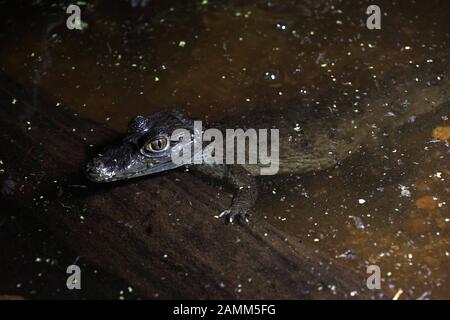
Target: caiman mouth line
<point x="113" y="176"/>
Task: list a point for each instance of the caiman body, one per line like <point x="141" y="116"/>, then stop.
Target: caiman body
<point x="313" y="136"/>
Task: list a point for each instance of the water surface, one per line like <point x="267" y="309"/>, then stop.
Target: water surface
<point x="387" y="205"/>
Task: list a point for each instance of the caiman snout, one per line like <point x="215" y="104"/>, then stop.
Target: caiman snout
<point x="116" y="163"/>
<point x="97" y="171"/>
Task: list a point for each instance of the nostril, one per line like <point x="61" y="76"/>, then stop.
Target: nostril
<point x="94" y="166"/>
<point x="97" y="163"/>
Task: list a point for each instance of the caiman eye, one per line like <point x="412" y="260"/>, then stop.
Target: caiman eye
<point x="157" y="144"/>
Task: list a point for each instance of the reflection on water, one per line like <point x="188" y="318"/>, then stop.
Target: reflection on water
<point x="387" y="205"/>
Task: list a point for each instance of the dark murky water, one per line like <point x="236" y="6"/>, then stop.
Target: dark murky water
<point x="215" y="58"/>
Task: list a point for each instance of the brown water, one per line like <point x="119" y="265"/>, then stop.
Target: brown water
<point x="215" y="58"/>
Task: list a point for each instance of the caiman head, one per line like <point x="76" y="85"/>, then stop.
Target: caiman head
<point x="146" y="148"/>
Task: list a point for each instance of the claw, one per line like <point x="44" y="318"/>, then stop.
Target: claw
<point x="224" y="213"/>
<point x="231" y="215"/>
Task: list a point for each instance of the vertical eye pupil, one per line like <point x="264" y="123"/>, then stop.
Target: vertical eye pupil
<point x="158" y="144"/>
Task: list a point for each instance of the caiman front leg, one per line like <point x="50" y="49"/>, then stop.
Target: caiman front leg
<point x="244" y="183"/>
<point x="245" y="196"/>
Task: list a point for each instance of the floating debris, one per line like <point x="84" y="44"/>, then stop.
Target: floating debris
<point x="426" y="202"/>
<point x="405" y="48"/>
<point x="424" y="296"/>
<point x="404" y="191"/>
<point x="442" y="133"/>
<point x="271" y="75"/>
<point x="346" y="255"/>
<point x="398" y="294"/>
<point x="281" y="26"/>
<point x="359" y="223"/>
<point x="246" y="15"/>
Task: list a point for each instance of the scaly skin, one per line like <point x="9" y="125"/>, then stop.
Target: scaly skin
<point x="324" y="136"/>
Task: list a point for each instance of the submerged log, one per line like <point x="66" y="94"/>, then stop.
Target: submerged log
<point x="157" y="233"/>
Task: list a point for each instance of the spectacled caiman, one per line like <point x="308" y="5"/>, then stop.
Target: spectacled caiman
<point x="312" y="136"/>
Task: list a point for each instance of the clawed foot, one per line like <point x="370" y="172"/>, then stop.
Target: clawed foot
<point x="232" y="216"/>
